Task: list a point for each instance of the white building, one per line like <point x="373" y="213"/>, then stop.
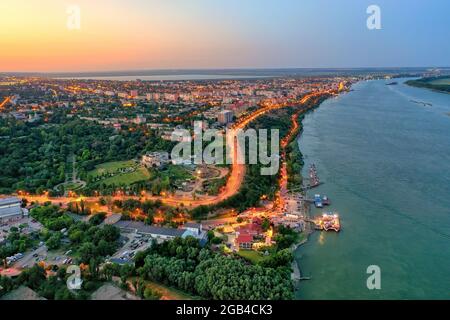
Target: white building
<point x="162" y="233"/>
<point x="155" y="159"/>
<point x="225" y="116"/>
<point x="10" y="209"/>
<point x="195" y="228"/>
<point x="158" y="233"/>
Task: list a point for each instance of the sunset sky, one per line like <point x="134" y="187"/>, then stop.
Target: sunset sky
<point x="167" y="34"/>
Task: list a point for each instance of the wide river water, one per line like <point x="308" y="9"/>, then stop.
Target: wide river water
<point x="384" y="159"/>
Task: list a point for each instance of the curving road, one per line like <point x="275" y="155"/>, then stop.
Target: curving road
<point x="235" y="179"/>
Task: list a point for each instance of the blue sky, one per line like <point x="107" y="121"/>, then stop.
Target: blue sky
<point x="323" y="33"/>
<point x="168" y="34"/>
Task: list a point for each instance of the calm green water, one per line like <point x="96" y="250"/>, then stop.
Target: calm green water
<point x="385" y="164"/>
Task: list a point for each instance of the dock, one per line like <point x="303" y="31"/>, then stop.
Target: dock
<point x="327" y="222"/>
<point x="314" y="180"/>
<point x="313" y="177"/>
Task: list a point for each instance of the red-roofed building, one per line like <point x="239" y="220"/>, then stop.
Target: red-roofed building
<point x="244" y="241"/>
<point x="251" y="228"/>
<point x="257" y="220"/>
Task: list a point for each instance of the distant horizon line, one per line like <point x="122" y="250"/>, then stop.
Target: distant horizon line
<point x="232" y="69"/>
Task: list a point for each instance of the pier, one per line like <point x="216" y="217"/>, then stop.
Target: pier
<point x="313" y="177"/>
<point x="327" y="222"/>
<point x="314" y="180"/>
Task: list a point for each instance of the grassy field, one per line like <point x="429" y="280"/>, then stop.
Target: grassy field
<point x="176" y="173"/>
<point x="443" y="81"/>
<point x="111" y="167"/>
<point x="441" y="84"/>
<point x="169" y="293"/>
<point x="140" y="174"/>
<point x="252" y="256"/>
<point x="126" y="178"/>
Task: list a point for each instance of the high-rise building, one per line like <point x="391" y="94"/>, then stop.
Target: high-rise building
<point x="140" y="119"/>
<point x="225" y="116"/>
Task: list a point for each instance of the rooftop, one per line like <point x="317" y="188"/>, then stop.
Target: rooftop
<point x="9" y="200"/>
<point x="12" y="211"/>
<point x="111" y="292"/>
<point x="22" y="293"/>
<point x="143" y="228"/>
<point x="192" y="225"/>
<point x="244" y="238"/>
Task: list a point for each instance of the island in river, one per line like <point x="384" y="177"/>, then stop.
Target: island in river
<point x="441" y="83"/>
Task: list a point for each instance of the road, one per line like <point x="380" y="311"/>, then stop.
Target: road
<point x="234" y="182"/>
<point x="29" y="259"/>
<point x="5" y="101"/>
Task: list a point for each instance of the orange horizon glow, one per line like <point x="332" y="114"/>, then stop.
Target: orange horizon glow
<point x="34" y="38"/>
<point x="217" y="34"/>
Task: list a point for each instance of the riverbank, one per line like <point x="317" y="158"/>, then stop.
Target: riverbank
<point x="294" y="157"/>
<point x="362" y="143"/>
<point x="438" y="84"/>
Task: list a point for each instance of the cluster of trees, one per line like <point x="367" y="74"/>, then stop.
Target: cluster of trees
<point x="79" y="208"/>
<point x="34" y="157"/>
<point x="15" y="243"/>
<point x="281" y="258"/>
<point x="30" y="157"/>
<point x="51" y="217"/>
<point x="93" y="242"/>
<point x="285" y="237"/>
<point x="212" y="187"/>
<point x="148" y="210"/>
<point x="255" y="185"/>
<point x="87" y="240"/>
<point x="183" y="264"/>
<point x="294" y="165"/>
<point x="54" y="287"/>
<point x="51" y="283"/>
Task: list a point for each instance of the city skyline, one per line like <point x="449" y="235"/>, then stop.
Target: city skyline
<point x="167" y="35"/>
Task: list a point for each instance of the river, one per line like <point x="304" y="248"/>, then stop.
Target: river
<point x="384" y="159"/>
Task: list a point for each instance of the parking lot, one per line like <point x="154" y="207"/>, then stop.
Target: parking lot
<point x="31" y="257"/>
<point x="136" y="242"/>
<point x="41" y="254"/>
<point x="29" y="225"/>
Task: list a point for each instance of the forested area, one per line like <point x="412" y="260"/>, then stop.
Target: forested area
<point x="16" y="242"/>
<point x="183" y="264"/>
<point x="88" y="242"/>
<point x="33" y="157"/>
<point x="255" y="185"/>
<point x="294" y="161"/>
<point x="53" y="287"/>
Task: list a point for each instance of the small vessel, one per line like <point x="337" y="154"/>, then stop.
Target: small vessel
<point x="318" y="201"/>
<point x="325" y="200"/>
<point x="425" y="104"/>
<point x="314" y="179"/>
<point x="392" y="83"/>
